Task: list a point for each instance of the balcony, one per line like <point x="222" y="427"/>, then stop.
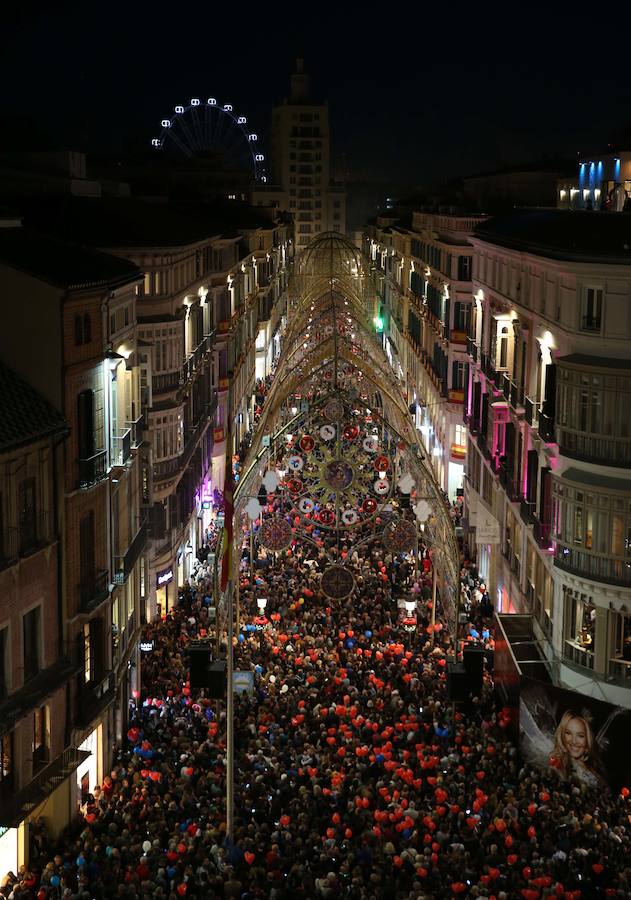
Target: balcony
<point x="125" y="564"/>
<point x="35" y="691"/>
<point x="136" y="427"/>
<point x="530" y="409"/>
<point x="619" y="672"/>
<point x="18" y="806"/>
<point x="194" y="359"/>
<point x="578" y="654"/>
<point x="546" y="428"/>
<point x="472" y="349"/>
<point x="94" y="698"/>
<point x="590" y="323"/>
<point x="543" y="534"/>
<point x="528" y="511"/>
<point x="596" y="568"/>
<point x="165" y="382"/>
<point x="170" y="467"/>
<point x="93" y="469"/>
<point x="593" y="448"/>
<point x="121" y="447"/>
<point x="94" y="590"/>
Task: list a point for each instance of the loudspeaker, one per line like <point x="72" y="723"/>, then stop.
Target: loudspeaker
<point x="473" y="661"/>
<point x="217" y="682"/>
<point x="199" y="661"/>
<point x="458" y="685"/>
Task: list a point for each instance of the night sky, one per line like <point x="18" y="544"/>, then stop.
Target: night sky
<point x="414" y="97"/>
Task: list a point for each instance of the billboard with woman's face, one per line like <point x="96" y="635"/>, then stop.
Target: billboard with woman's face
<point x="581" y="738"/>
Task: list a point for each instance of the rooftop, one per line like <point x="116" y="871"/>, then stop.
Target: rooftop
<point x="25" y="416"/>
<point x="131" y="222"/>
<point x="63" y="264"/>
<point x="581" y="235"/>
<point x="600" y="362"/>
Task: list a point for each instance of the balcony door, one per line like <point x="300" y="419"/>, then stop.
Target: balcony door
<point x="85" y="424"/>
<point x="87" y="559"/>
<point x="27" y="513"/>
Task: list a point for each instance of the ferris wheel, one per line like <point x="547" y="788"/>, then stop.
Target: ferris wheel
<point x="206" y="128"/>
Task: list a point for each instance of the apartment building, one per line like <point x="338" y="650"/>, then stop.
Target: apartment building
<point x="212" y="280"/>
<point x="69" y="331"/>
<point x="302" y="162"/>
<point x="424" y="267"/>
<point x="36" y="664"/>
<point x="549" y="449"/>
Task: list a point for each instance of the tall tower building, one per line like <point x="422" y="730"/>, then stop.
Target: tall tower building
<point x="301" y="162"/>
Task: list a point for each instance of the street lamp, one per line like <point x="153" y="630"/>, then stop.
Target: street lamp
<point x="261" y="602"/>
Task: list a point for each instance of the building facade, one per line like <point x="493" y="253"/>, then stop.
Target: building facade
<point x="602" y="181"/>
<point x="549" y="449"/>
<point x="78" y="309"/>
<point x="424" y="268"/>
<point x="36" y="663"/>
<point x="302" y="162"/>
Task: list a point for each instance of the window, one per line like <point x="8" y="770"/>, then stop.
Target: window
<point x="31" y="642"/>
<point x="6" y="765"/>
<point x="462" y="316"/>
<point x="458" y="370"/>
<point x="85" y="429"/>
<point x="4" y="662"/>
<point x="87" y="654"/>
<point x="591" y="309"/>
<point x="148" y="283"/>
<point x="461" y="435"/>
<point x="78" y="330"/>
<point x="503" y="342"/>
<point x="126" y="315"/>
<point x="27" y="514"/>
<point x="41" y="738"/>
<point x="87" y="328"/>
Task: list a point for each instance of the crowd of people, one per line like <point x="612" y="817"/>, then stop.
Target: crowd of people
<point x="354" y="778"/>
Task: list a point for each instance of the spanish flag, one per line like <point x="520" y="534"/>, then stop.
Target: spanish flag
<point x="228" y="488"/>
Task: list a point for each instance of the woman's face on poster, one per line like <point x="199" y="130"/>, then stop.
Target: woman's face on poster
<point x="575" y="738"/>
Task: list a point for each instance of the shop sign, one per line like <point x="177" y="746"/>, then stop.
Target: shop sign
<point x="146" y="646"/>
<point x="265" y="442"/>
<point x="164" y="577"/>
<point x="243" y="682"/>
<point x="206" y="504"/>
<point x="218" y="435"/>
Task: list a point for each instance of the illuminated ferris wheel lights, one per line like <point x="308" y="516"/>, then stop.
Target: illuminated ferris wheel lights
<point x="227" y="107"/>
<point x="242" y="120"/>
<point x="195" y="101"/>
<point x="166" y="123"/>
<point x="179" y="109"/>
<point x="253" y="137"/>
<point x="211" y="101"/>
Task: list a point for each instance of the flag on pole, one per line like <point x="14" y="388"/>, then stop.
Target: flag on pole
<point x="228" y="488"/>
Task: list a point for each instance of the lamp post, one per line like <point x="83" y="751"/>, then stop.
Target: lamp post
<point x="261" y="602"/>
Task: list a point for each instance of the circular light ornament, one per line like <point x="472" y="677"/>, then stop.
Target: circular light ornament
<point x="327" y="432"/>
<point x="381" y="487"/>
<point x="338" y="475"/>
<point x="370" y="444"/>
<point x="351" y="432"/>
<point x="399" y="536"/>
<point x="295" y="463"/>
<point x="294" y="485"/>
<point x="349" y="517"/>
<point x="306" y="505"/>
<point x="369" y="506"/>
<point x="275" y="534"/>
<point x="337" y="582"/>
<point x="381" y="464"/>
<point x="307" y="443"/>
<point x="326" y="517"/>
<point x="334" y="410"/>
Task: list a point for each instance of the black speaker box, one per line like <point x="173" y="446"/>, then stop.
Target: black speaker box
<point x="473" y="659"/>
<point x="458" y="683"/>
<point x="217" y="681"/>
<point x="199" y="661"/>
